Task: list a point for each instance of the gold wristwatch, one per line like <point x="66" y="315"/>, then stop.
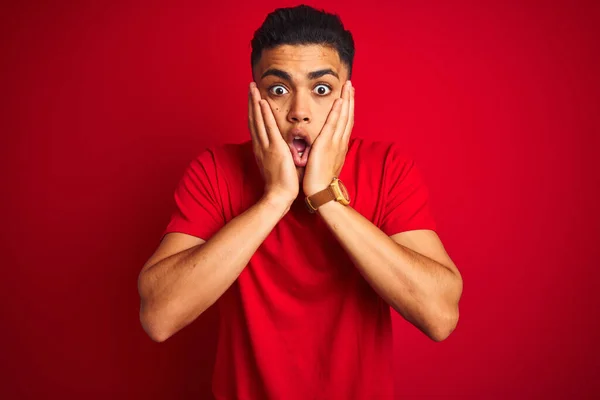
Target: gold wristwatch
<point x="335" y="191"/>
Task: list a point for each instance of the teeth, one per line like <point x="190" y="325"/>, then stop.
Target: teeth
<point x="297" y="137"/>
<point x="300" y="153"/>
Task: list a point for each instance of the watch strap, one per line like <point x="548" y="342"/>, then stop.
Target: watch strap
<point x="316" y="200"/>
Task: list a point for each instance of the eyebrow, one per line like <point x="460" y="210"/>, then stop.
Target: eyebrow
<point x="311" y="75"/>
<point x="322" y="72"/>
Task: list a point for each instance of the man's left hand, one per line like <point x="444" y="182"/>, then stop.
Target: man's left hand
<point x="328" y="152"/>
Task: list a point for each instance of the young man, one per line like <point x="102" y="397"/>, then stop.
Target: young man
<point x="304" y="296"/>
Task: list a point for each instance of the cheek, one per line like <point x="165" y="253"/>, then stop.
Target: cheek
<point x="276" y="107"/>
<point x="280" y="110"/>
<point x="322" y="111"/>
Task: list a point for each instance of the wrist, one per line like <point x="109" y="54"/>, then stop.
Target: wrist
<point x="333" y="192"/>
<point x="314" y="189"/>
<point x="277" y="202"/>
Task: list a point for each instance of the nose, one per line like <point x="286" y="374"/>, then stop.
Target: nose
<point x="299" y="109"/>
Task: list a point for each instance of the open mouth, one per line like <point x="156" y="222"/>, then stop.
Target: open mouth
<point x="300" y="150"/>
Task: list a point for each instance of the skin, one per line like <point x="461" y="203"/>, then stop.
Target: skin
<point x="411" y="270"/>
<point x="297" y="100"/>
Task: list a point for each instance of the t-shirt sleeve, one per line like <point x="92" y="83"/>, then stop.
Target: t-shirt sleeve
<point x="198" y="204"/>
<point x="406" y="205"/>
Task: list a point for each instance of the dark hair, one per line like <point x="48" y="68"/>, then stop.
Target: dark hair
<point x="303" y="25"/>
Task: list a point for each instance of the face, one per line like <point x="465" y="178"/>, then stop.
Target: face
<point x="300" y="83"/>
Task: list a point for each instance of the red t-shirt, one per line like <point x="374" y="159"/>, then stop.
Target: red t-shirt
<point x="301" y="322"/>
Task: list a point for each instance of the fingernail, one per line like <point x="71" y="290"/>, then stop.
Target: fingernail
<point x="349" y="83"/>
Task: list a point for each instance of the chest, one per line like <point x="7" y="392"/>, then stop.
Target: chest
<point x="302" y="254"/>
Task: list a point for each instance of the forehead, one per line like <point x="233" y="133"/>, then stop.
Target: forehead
<point x="299" y="60"/>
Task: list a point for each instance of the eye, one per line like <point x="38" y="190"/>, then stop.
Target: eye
<point x="322" y="90"/>
<point x="278" y="90"/>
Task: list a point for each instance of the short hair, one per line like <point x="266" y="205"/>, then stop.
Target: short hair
<point x="303" y="25"/>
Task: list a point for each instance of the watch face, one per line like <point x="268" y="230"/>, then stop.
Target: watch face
<point x="344" y="193"/>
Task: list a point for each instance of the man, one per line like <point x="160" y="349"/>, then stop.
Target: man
<point x="305" y="266"/>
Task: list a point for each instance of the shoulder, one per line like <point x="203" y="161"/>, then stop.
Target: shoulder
<point x="224" y="157"/>
<point x="387" y="164"/>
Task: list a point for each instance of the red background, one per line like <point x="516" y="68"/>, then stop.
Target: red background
<point x="103" y="105"/>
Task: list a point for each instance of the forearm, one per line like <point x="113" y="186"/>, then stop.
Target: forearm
<point x="423" y="291"/>
<point x="178" y="289"/>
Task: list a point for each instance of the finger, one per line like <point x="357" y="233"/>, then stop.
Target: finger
<point x="270" y="124"/>
<point x="332" y="118"/>
<point x="343" y="120"/>
<point x="350" y="123"/>
<point x="259" y="124"/>
<point x="251" y="115"/>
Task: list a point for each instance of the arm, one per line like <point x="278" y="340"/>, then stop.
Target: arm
<point x="175" y="289"/>
<point x="186" y="275"/>
<point x="411" y="271"/>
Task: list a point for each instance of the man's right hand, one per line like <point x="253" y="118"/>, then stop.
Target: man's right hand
<point x="271" y="151"/>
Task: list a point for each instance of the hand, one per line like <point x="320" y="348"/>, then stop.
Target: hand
<point x="328" y="152"/>
<point x="270" y="150"/>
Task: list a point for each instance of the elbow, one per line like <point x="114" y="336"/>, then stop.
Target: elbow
<point x="148" y="316"/>
<point x="444" y="326"/>
<point x="447" y="316"/>
<point x="150" y="319"/>
<point x="157" y="336"/>
<point x="156" y="331"/>
<point x="162" y="316"/>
